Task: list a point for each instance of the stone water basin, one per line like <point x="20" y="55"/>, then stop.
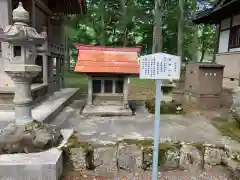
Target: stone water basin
<point x="46" y="165"/>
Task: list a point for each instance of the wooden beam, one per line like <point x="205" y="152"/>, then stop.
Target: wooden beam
<point x="33" y="14"/>
<point x="44" y="7"/>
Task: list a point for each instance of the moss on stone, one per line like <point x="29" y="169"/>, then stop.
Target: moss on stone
<point x="164" y="147"/>
<point x="199" y="146"/>
<point x="140" y="143"/>
<point x="74" y="142"/>
<point x="36" y="125"/>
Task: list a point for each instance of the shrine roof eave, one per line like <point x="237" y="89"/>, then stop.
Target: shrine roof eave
<point x="109" y="74"/>
<point x="67" y="7"/>
<point x="105" y="48"/>
<point x="218" y="13"/>
<point x="107" y="70"/>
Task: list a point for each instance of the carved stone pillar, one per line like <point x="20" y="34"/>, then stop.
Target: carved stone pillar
<point x="22" y="76"/>
<point x="125" y="92"/>
<point x="90" y="91"/>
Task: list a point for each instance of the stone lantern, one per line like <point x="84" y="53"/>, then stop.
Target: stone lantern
<point x="22" y="41"/>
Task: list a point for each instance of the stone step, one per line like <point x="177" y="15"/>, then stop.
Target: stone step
<point x="47" y="110"/>
<point x="106" y="110"/>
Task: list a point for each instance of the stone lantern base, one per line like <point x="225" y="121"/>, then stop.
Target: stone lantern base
<point x="22" y="75"/>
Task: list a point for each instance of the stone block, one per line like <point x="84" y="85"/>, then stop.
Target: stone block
<point x="191" y="159"/>
<point x="172" y="159"/>
<point x="129" y="157"/>
<point x="77" y="157"/>
<point x="147" y="158"/>
<point x="214" y="156"/>
<point x="45" y="165"/>
<point x="105" y="160"/>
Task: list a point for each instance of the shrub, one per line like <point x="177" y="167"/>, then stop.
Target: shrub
<point x="165" y="108"/>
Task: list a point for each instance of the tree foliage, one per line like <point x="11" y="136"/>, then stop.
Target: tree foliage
<point x="129" y="23"/>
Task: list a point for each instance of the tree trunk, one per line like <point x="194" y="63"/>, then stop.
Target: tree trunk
<point x="202" y="55"/>
<point x="216" y="44"/>
<point x="203" y="48"/>
<point x="180" y="30"/>
<point x="102" y="36"/>
<point x="157" y="28"/>
<point x="195" y="35"/>
<point x="124" y="23"/>
<point x="67" y="54"/>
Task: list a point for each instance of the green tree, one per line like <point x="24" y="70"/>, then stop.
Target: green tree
<point x="131" y="22"/>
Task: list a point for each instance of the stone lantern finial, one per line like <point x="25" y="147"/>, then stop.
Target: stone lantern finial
<point x="20" y="14"/>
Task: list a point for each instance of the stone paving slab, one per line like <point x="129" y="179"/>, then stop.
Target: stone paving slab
<point x="45" y="111"/>
<point x="112" y="129"/>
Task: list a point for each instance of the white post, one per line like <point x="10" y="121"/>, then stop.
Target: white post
<point x="156" y="130"/>
<point x="159" y="66"/>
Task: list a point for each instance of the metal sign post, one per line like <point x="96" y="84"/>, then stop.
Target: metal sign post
<point x="159" y="66"/>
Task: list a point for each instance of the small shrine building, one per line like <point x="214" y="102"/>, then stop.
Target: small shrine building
<point x="108" y="70"/>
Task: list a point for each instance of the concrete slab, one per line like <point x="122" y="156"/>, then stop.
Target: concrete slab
<point x="34" y="166"/>
<point x="45" y="165"/>
<point x="106" y="110"/>
<point x="106" y="130"/>
<point x="47" y="110"/>
<point x="227" y="83"/>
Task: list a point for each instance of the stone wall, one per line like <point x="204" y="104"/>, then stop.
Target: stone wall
<point x="137" y="155"/>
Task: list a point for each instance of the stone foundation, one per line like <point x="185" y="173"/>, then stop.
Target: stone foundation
<point x="194" y="157"/>
<point x="107" y="110"/>
<point x="204" y="102"/>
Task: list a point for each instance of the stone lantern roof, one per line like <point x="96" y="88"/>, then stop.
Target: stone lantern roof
<point x="20" y="33"/>
<point x="20" y="14"/>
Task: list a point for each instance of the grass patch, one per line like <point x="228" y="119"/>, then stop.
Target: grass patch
<point x="141" y="89"/>
<point x="227" y="128"/>
<point x="166" y="107"/>
<point x="76" y="80"/>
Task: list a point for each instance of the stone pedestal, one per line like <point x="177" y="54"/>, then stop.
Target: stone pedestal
<point x="22" y="76"/>
<point x="125" y="93"/>
<point x="90" y="91"/>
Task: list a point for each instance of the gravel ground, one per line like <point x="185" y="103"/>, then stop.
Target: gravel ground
<point x="216" y="173"/>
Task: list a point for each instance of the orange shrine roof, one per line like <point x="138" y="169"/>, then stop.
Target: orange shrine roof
<point x="100" y="59"/>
